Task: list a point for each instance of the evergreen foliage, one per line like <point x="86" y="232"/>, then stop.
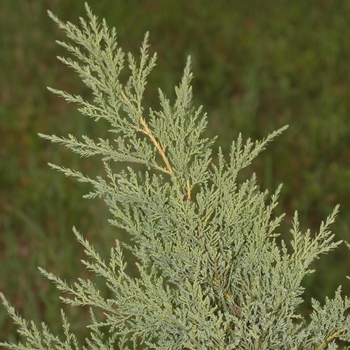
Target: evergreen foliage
<point x="211" y="273"/>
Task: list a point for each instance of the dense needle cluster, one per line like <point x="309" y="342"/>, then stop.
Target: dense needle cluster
<point x="210" y="272"/>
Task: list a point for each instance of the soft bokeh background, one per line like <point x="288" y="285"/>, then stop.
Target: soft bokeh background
<point x="258" y="65"/>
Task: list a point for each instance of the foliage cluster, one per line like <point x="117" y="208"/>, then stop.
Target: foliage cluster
<point x="210" y="271"/>
<point x="268" y="63"/>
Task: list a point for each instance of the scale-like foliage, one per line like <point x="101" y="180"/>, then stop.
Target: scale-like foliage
<point x="210" y="272"/>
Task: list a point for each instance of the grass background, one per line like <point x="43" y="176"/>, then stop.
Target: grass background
<point x="257" y="65"/>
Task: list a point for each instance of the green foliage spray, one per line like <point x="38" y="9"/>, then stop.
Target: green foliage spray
<point x="210" y="272"/>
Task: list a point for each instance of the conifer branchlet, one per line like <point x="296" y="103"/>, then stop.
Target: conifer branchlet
<point x="210" y="272"/>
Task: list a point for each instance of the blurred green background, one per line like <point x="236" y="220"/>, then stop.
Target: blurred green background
<point x="258" y="65"/>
